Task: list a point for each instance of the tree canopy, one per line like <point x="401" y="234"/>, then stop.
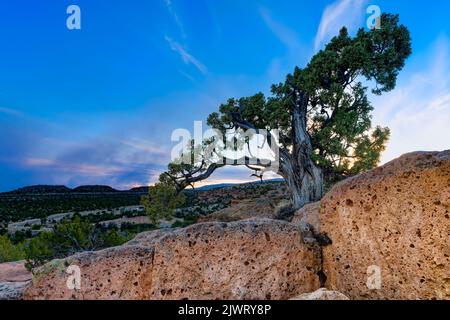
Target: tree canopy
<point x="322" y="114"/>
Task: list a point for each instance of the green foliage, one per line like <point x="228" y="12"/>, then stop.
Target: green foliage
<point x="131" y="229"/>
<point x="21" y="236"/>
<point x="162" y="201"/>
<point x="337" y="117"/>
<point x="112" y="238"/>
<point x="76" y="235"/>
<point x="9" y="251"/>
<point x="18" y="206"/>
<point x="69" y="237"/>
<point x="40" y="249"/>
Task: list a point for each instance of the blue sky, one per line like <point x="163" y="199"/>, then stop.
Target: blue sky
<point x="98" y="105"/>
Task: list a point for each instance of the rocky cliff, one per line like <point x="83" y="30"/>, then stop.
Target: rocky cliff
<point x="390" y="229"/>
<point x="390" y="232"/>
<point x="14" y="278"/>
<point x="395" y="218"/>
<point x="263" y="259"/>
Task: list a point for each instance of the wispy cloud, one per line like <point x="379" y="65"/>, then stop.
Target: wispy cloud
<point x="286" y="35"/>
<point x="418" y="110"/>
<point x="295" y="52"/>
<point x="118" y="163"/>
<point x="336" y="15"/>
<point x="11" y="112"/>
<point x="145" y="146"/>
<point x="186" y="56"/>
<point x="187" y="76"/>
<point x="175" y="17"/>
<point x="74" y="168"/>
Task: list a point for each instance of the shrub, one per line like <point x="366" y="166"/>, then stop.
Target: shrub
<point x="9" y="251"/>
<point x="161" y="202"/>
<point x="39" y="250"/>
<point x="69" y="237"/>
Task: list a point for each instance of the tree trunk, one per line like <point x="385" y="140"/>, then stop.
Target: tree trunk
<point x="305" y="186"/>
<point x="303" y="177"/>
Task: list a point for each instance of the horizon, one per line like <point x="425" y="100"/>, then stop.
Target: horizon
<point x="97" y="106"/>
<point x="206" y="185"/>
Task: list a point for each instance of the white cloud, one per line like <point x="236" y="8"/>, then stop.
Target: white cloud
<point x="340" y="13"/>
<point x="74" y="168"/>
<point x="418" y="110"/>
<point x="186" y="56"/>
<point x="187" y="76"/>
<point x="175" y="16"/>
<point x="286" y="35"/>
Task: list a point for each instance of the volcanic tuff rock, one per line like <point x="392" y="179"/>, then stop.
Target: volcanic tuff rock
<point x="261" y="259"/>
<point x="390" y="224"/>
<point x="14" y="278"/>
<point x="244" y="209"/>
<point x="14" y="272"/>
<point x="12" y="290"/>
<point x="392" y="221"/>
<point x="321" y="294"/>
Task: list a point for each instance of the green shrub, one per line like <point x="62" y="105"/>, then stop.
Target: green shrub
<point x="69" y="237"/>
<point x="39" y="250"/>
<point x="112" y="238"/>
<point x="161" y="202"/>
<point x="9" y="251"/>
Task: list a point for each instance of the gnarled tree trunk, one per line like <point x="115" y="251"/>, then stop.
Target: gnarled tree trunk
<point x="305" y="186"/>
<point x="303" y="177"/>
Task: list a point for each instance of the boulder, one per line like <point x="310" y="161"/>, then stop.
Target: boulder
<point x="321" y="294"/>
<point x="260" y="259"/>
<point x="14" y="272"/>
<point x="390" y="229"/>
<point x="14" y="278"/>
<point x="243" y="210"/>
<point x="12" y="290"/>
<point x="308" y="214"/>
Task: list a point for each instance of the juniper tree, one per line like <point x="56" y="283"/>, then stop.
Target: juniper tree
<point x="322" y="113"/>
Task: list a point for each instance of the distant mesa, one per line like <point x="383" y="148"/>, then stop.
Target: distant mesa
<point x="139" y="189"/>
<point x="94" y="188"/>
<point x="42" y="189"/>
<point x="52" y="189"/>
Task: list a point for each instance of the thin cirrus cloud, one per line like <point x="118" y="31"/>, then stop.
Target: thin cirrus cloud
<point x="336" y="15"/>
<point x="145" y="146"/>
<point x="175" y="17"/>
<point x="186" y="56"/>
<point x="78" y="168"/>
<point x="286" y="35"/>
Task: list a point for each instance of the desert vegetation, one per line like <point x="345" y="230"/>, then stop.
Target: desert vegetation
<point x="41" y="239"/>
<point x="39" y="202"/>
